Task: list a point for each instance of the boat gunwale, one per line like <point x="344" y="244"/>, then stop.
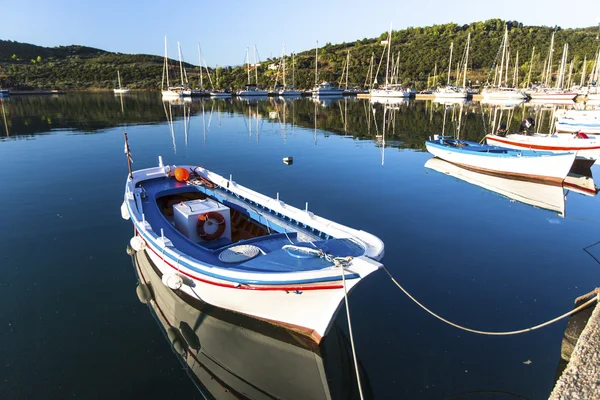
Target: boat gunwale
<point x="239" y="278"/>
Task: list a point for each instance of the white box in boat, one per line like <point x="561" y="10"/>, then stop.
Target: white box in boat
<point x="187" y="216"/>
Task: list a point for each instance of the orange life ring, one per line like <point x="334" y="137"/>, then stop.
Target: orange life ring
<point x="211" y="217"/>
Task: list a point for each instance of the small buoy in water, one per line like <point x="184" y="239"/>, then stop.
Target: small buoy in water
<point x="137" y="243"/>
<point x="176" y="340"/>
<point x="189" y="335"/>
<point x="130" y="251"/>
<point x="288" y="160"/>
<point x="182" y="174"/>
<point x="144" y="293"/>
<point x="172" y="281"/>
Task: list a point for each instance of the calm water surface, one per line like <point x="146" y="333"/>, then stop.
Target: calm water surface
<point x="72" y="325"/>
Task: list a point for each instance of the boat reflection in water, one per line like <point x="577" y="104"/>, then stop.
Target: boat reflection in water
<point x="535" y="193"/>
<point x="232" y="356"/>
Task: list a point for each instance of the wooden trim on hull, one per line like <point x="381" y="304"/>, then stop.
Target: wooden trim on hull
<point x="513" y="175"/>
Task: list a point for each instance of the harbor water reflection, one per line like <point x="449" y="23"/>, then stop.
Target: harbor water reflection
<point x="485" y="252"/>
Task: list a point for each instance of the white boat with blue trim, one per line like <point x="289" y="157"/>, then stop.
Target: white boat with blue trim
<point x="521" y="164"/>
<point x="234" y="248"/>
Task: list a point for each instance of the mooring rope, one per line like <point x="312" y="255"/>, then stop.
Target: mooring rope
<point x="340" y="262"/>
<point x="582" y="306"/>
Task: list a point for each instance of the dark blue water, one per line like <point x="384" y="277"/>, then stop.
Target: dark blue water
<point x="73" y="327"/>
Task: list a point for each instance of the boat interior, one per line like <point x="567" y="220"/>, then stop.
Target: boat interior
<point x="176" y="209"/>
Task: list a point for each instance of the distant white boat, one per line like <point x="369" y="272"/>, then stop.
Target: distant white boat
<point x="291" y="92"/>
<point x="552" y="94"/>
<point x="325" y="89"/>
<point x="220" y="94"/>
<point x="120" y="90"/>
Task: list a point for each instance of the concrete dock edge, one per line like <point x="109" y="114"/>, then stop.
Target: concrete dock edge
<point x="581" y="377"/>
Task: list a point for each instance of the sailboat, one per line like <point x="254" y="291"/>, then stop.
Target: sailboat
<point x="285" y="91"/>
<point x="169" y="92"/>
<point x="198" y="92"/>
<point x="323" y="88"/>
<point x="545" y="92"/>
<point x="252" y="88"/>
<point x="455" y="92"/>
<point x="500" y="92"/>
<point x="120" y="90"/>
<point x="389" y="89"/>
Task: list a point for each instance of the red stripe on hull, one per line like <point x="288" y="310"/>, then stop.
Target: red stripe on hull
<point x="540" y="147"/>
<point x="245" y="286"/>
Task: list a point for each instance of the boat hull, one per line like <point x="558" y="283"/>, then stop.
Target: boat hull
<point x="121" y="91"/>
<point x="393" y="93"/>
<point x="503" y="95"/>
<point x="169" y="94"/>
<point x="550" y="168"/>
<point x="586" y="149"/>
<point x="552" y="96"/>
<point x="587" y="126"/>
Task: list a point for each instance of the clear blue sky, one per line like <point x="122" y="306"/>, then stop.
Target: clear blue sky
<point x="225" y="28"/>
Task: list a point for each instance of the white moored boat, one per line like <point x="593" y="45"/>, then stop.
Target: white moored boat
<point x="325" y="89"/>
<point x="224" y="244"/>
<point x="586" y="147"/>
<point x="521" y="164"/>
<point x="120" y="90"/>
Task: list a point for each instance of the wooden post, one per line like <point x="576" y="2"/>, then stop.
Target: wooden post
<point x="128" y="155"/>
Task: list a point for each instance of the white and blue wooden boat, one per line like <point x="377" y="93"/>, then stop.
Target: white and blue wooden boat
<point x="523" y="164"/>
<point x="229" y="246"/>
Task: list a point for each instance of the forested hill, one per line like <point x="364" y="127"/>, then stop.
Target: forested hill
<point x="420" y="49"/>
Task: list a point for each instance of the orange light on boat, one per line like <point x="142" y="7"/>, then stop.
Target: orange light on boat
<point x="182" y="174"/>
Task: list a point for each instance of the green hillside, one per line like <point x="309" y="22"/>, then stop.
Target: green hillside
<point x="420" y="49"/>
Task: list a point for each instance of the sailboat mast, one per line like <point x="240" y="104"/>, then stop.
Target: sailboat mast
<point x="255" y="66"/>
<point x="119" y="79"/>
<point x="530" y="68"/>
<point x="283" y="62"/>
<point x="450" y="63"/>
<point x="388" y="56"/>
<point x="570" y="74"/>
<point x="549" y="65"/>
<point x="466" y="61"/>
<point x="180" y="63"/>
<point x="293" y="71"/>
<point x="248" y="63"/>
<point x="434" y="75"/>
<point x="516" y="71"/>
<point x="582" y="79"/>
<point x="166" y="67"/>
<point x="200" y="64"/>
<point x="347" y="68"/>
<point x="316" y="64"/>
<point x="501" y="71"/>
